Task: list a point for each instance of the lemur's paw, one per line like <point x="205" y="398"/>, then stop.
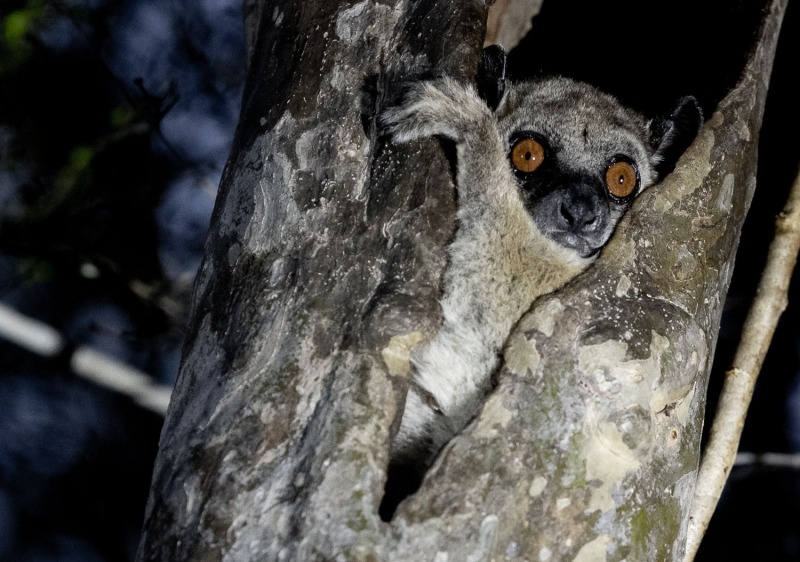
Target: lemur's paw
<point x="442" y="107"/>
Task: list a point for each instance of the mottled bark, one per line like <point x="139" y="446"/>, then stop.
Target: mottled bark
<point x="325" y="244"/>
<point x="322" y="270"/>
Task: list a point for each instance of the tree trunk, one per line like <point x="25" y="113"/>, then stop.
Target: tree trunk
<point x="322" y="269"/>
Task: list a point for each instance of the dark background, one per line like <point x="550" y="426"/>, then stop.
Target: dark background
<point x="115" y="123"/>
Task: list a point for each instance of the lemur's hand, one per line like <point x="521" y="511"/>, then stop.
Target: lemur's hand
<point x="442" y="107"/>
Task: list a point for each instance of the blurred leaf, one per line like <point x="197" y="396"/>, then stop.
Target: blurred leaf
<point x="80" y="158"/>
<point x="122" y="116"/>
<point x="37" y="270"/>
<point x="16" y="27"/>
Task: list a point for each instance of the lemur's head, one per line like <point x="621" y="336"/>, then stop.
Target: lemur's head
<point x="579" y="156"/>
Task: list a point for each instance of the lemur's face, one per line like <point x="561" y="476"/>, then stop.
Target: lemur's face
<point x="579" y="158"/>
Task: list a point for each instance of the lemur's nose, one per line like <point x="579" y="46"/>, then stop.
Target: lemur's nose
<point x="578" y="214"/>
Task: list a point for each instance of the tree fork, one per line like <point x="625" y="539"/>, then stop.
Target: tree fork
<point x="321" y="272"/>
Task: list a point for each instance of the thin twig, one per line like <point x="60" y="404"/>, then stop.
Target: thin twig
<point x="770" y="301"/>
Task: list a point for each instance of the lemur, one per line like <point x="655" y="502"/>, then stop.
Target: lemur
<point x="544" y="171"/>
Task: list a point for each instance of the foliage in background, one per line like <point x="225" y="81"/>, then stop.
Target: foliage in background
<point x="115" y="121"/>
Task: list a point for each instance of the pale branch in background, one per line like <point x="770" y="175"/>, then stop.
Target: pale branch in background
<point x="737" y="391"/>
<point x="37" y="337"/>
<point x="771" y="460"/>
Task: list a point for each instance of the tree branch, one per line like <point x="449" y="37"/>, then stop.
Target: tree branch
<point x="737" y="391"/>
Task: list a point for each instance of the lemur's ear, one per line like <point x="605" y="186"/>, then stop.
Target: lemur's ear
<point x="671" y="136"/>
<point x="491" y="77"/>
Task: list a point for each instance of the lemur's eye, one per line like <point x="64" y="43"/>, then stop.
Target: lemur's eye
<point x="527" y="154"/>
<point x="621" y="179"/>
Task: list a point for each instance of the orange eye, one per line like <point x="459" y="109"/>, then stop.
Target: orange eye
<point x="621" y="179"/>
<point x="527" y="155"/>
